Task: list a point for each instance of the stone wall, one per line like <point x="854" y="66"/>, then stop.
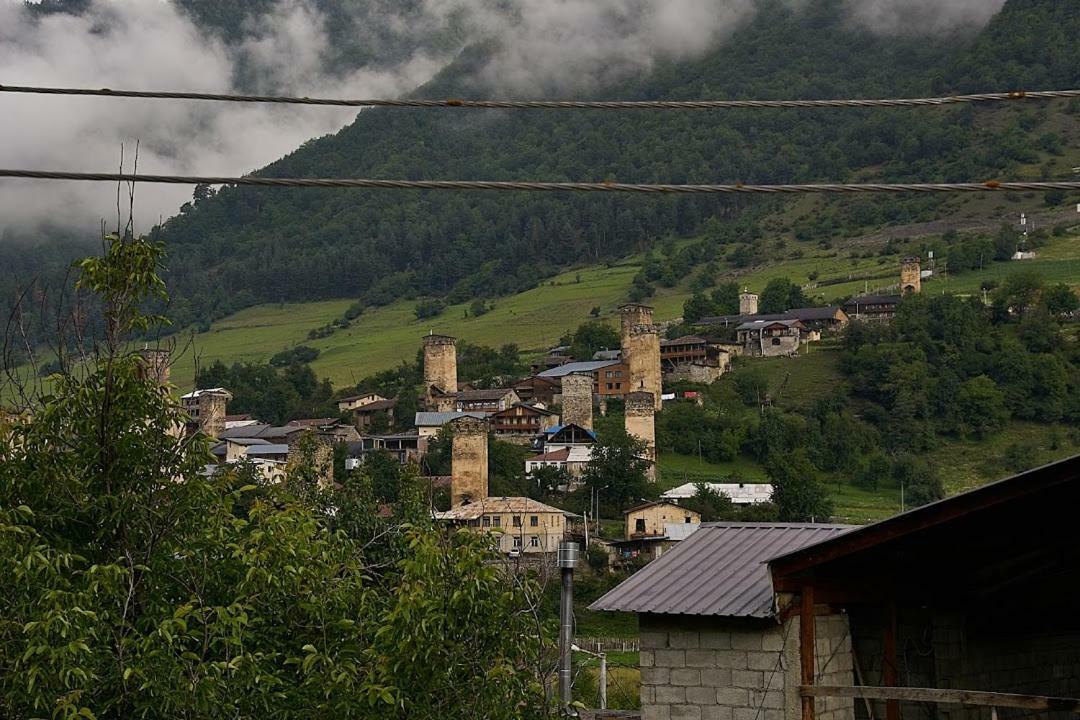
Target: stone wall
<point x="641" y="353"/>
<point x="440" y="368"/>
<point x="633" y="314"/>
<point x="640" y="422"/>
<point x="910" y="275"/>
<point x="698" y="668"/>
<point x="212" y="414"/>
<point x="748" y="303"/>
<point x="577" y="400"/>
<point x="155" y="365"/>
<point x="469" y="461"/>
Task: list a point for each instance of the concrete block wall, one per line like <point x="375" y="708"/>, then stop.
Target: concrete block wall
<point x="736" y="669"/>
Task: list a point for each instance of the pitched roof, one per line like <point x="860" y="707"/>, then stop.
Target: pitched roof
<point x="654" y="503"/>
<point x="554" y="456"/>
<point x="720" y="570"/>
<point x="684" y="340"/>
<point x="873" y="300"/>
<point x="578" y="367"/>
<point x="376" y="406"/>
<point x="483" y="395"/>
<point x="312" y="422"/>
<point x="438" y="419"/>
<point x="472" y="511"/>
<point x="523" y="406"/>
<point x="762" y="324"/>
<point x="739" y="493"/>
<point x="208" y="391"/>
<point x="559" y="428"/>
<point x="274" y="449"/>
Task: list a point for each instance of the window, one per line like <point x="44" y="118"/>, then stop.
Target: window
<point x="487" y="521"/>
<point x="687" y="519"/>
<point x="534" y="541"/>
<point x="610" y="386"/>
<point x="639" y="525"/>
<point x="618" y="373"/>
<point x="517" y="542"/>
<point x="497" y="520"/>
<point x="517" y="521"/>
<point x="534" y="521"/>
<point x="618" y="386"/>
<point x="776" y="341"/>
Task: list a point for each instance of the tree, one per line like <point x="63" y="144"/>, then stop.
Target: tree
<point x="780" y="295"/>
<point x="618" y="469"/>
<point x="981" y="406"/>
<point x="797" y="494"/>
<point x="140" y="586"/>
<point x="696" y="307"/>
<point x="918" y="478"/>
<point x="1060" y="299"/>
<point x="590" y="337"/>
<point x="711" y="504"/>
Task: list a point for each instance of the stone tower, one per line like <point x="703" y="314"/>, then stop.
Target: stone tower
<point x="207" y="410"/>
<point x="469" y="461"/>
<point x="633" y="314"/>
<point x="910" y="276"/>
<point x="577" y="400"/>
<point x="748" y="303"/>
<point x="154" y="365"/>
<point x="641" y="353"/>
<point x="440" y="371"/>
<point x="641" y="423"/>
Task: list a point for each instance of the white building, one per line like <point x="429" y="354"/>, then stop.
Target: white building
<point x="740" y="493"/>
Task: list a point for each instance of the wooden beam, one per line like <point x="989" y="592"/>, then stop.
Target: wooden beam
<point x="888" y="668"/>
<point x="807" y="647"/>
<point x="970" y="698"/>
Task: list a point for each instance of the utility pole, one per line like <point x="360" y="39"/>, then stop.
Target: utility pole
<point x="568" y="559"/>
<point x="603" y="673"/>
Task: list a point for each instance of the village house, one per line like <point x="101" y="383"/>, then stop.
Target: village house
<point x="537" y="390"/>
<point x="428" y="424"/>
<point x="692" y="358"/>
<point x="770" y="338"/>
<point x="375" y="412"/>
<point x="611" y="378"/>
<point x="649" y="519"/>
<point x="206" y="408"/>
<point x="872" y="308"/>
<point x="713" y="644"/>
<point x="268" y="459"/>
<point x="554" y="357"/>
<point x="523" y="525"/>
<point x="571" y="460"/>
<point x="521" y="422"/>
<point x="241" y="420"/>
<point x="488" y="401"/>
<point x="404" y="447"/>
<point x="567" y="436"/>
<point x="831" y="319"/>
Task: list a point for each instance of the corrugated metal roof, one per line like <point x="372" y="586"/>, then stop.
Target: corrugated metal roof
<point x="438" y="419"/>
<point x="719" y="570"/>
<point x="578" y="367"/>
<point x="273" y="449"/>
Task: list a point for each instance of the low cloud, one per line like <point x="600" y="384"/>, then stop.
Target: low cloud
<point x="923" y="17"/>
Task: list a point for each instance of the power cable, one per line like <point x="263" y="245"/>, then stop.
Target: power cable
<point x="552" y="104"/>
<point x="529" y="186"/>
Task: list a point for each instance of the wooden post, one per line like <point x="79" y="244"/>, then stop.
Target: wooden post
<point x="888" y="672"/>
<point x="807" y="647"/>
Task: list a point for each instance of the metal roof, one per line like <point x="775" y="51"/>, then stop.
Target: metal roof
<point x="272" y="449"/>
<point x="719" y="570"/>
<point x="762" y="324"/>
<point x="438" y="419"/>
<point x="578" y="367"/>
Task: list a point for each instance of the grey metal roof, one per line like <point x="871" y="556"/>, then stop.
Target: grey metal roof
<point x="577" y="367"/>
<point x="719" y="570"/>
<point x="762" y="324"/>
<point x="438" y="419"/>
<point x="273" y="449"/>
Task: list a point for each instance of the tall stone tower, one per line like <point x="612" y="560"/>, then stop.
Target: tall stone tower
<point x="577" y="400"/>
<point x="633" y="314"/>
<point x="640" y="422"/>
<point x="469" y="461"/>
<point x="207" y="410"/>
<point x="641" y="349"/>
<point x="440" y="371"/>
<point x="154" y="365"/>
<point x="910" y="276"/>
<point x="748" y="303"/>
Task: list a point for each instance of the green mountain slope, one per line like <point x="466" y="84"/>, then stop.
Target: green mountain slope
<point x="248" y="246"/>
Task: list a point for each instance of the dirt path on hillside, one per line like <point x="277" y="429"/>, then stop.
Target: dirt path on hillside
<point x="937" y="227"/>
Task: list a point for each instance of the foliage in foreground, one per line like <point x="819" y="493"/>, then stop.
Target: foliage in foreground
<point x="137" y="585"/>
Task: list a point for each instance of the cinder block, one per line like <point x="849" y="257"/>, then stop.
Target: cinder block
<point x="700" y="658"/>
<point x="648" y="695"/>
<point x="773" y="699"/>
<point x="746" y="641"/>
<point x="684" y="640"/>
<point x="747" y="713"/>
<point x="654" y="639"/>
<point x="715" y="640"/>
<point x="668" y="695"/>
<point x="773" y="642"/>
<point x="657" y="712"/>
<point x="645" y="658"/>
<point x="716" y="677"/>
<point x="686" y="677"/>
<point x="655" y="676"/>
<point x="670" y="658"/>
<point x="685" y="712"/>
<point x="716" y="712"/>
<point x="701" y="695"/>
<point x="733" y="697"/>
<point x="753" y="679"/>
<point x="732" y="659"/>
<point x="761" y="660"/>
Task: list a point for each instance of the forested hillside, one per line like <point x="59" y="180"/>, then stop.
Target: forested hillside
<point x="245" y="246"/>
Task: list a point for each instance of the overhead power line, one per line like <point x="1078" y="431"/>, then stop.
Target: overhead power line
<point x="525" y="186"/>
<point x="552" y="104"/>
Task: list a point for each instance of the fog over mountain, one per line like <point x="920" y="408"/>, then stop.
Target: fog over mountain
<point x="539" y="47"/>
